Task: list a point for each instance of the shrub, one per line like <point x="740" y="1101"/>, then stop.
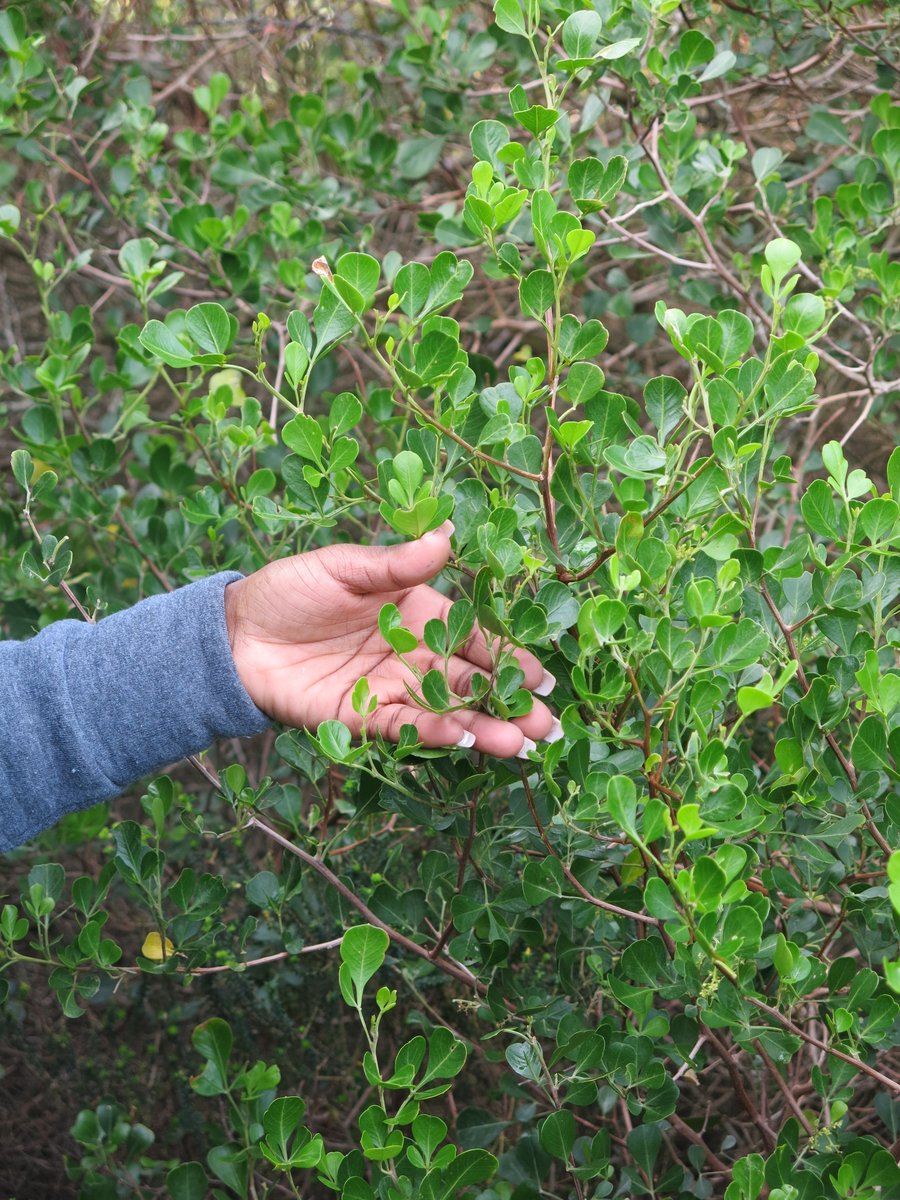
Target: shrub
<point x="659" y="957"/>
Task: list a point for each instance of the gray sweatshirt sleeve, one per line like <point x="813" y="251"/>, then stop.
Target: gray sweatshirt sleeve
<point x="87" y="709"/>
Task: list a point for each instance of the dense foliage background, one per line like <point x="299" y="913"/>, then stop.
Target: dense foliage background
<point x="615" y="284"/>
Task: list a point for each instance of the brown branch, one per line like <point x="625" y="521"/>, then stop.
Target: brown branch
<point x="576" y="883"/>
<point x="444" y="964"/>
<point x="783" y="1088"/>
<point x="692" y="1136"/>
<point x="847" y="766"/>
<point x="269" y="958"/>
<point x="737" y="1081"/>
<point x="464" y="857"/>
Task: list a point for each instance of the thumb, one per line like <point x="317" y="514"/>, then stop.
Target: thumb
<point x="365" y="569"/>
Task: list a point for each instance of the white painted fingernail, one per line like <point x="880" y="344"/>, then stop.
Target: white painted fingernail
<point x="527" y="746"/>
<point x="467" y="741"/>
<point x="556" y="732"/>
<point x="546" y="686"/>
<point x="448" y="529"/>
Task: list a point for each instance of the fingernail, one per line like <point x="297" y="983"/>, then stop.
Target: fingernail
<point x="467" y="741"/>
<point x="527" y="746"/>
<point x="546" y="686"/>
<point x="556" y="732"/>
<point x="448" y="529"/>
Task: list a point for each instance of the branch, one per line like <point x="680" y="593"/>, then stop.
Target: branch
<point x="567" y="872"/>
<point x="444" y="964"/>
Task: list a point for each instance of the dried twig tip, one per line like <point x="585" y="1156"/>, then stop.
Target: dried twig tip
<point x="322" y="269"/>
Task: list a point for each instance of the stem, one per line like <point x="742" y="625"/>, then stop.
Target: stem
<point x="443" y="964"/>
<point x="579" y="887"/>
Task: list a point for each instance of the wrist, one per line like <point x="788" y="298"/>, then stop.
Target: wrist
<point x="232" y="612"/>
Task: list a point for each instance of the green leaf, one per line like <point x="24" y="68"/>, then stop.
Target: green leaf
<point x="332" y="320"/>
<point x="471" y="1166"/>
<point x="362" y="272"/>
<point x="208" y="97"/>
<point x="752" y="699"/>
<point x="488" y="138"/>
<point x="536" y="118"/>
<point x="460" y="620"/>
<point x="644" y="1143"/>
<point x="621" y="801"/>
<point x="557" y="1133"/>
<point x="737" y="335"/>
<point x="187" y="1181"/>
<point x="363" y="950"/>
<point x="509" y="16"/>
<point x="765" y="161"/>
<point x="12" y="31"/>
<point x="418" y="156"/>
<point x="229" y="1163"/>
<point x="739" y="646"/>
<point x="879" y="518"/>
<point x="213" y="1040"/>
<point x="804" y="314"/>
<point x="658" y="900"/>
<point x="344" y="414"/>
<point x="602" y="617"/>
<point x="22" y="467"/>
<point x="296" y="363"/>
<point x="435" y="356"/>
<point x="584" y="381"/>
<point x="570" y="433"/>
<point x="449" y="278"/>
<point x="210" y="327"/>
<point x="664" y="399"/>
<point x="413" y="285"/>
<point x="593" y="184"/>
<point x="618" y="49"/>
<point x="541" y="881"/>
<point x="834" y="462"/>
<point x="707" y="884"/>
<point x="720" y="65"/>
<point x="524" y="1060"/>
<point x="10" y="219"/>
<point x="334" y="738"/>
<point x="782" y="255"/>
<point x="435" y="690"/>
<point x="162" y="342"/>
<point x="282" y="1119"/>
<point x="645" y="454"/>
<point x="869" y="750"/>
<point x="817" y="504"/>
<point x="893" y="473"/>
<point x="537" y="293"/>
<point x="749" y="1175"/>
<point x="299" y="331"/>
<point x="580" y="33"/>
<point x="303" y="435"/>
<point x="390" y="623"/>
<point x="344" y="453"/>
<point x="408" y="471"/>
<point x="840" y="626"/>
<point x="446" y="1056"/>
<point x="694" y="49"/>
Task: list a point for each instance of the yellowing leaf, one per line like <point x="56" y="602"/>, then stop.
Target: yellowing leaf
<point x="153" y="948"/>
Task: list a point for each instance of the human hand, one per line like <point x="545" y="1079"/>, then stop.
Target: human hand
<point x="304" y="630"/>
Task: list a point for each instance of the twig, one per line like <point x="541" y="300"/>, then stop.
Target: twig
<point x="443" y="964"/>
<point x="269" y="958"/>
<point x="579" y="887"/>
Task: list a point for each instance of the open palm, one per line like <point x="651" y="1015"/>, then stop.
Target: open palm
<point x="304" y="630"/>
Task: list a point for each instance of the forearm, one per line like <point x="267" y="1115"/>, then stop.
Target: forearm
<point x="87" y="709"/>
